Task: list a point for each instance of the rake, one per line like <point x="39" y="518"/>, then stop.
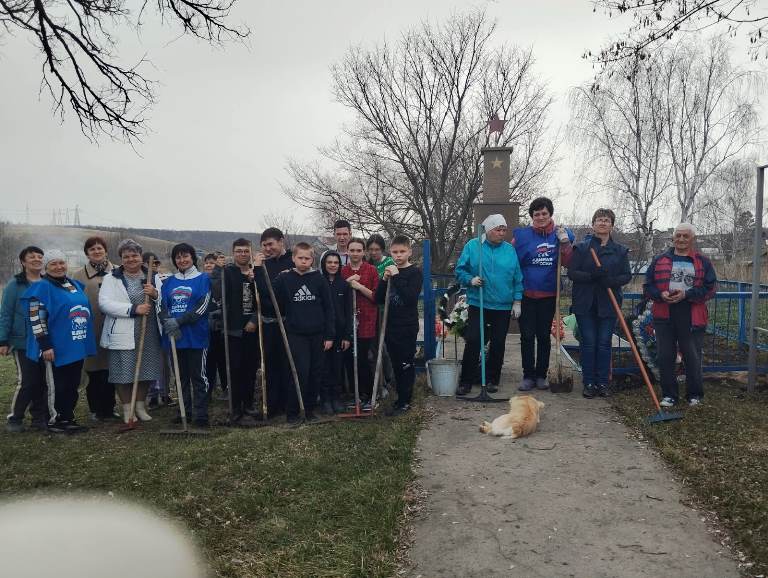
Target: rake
<point x="660" y="415"/>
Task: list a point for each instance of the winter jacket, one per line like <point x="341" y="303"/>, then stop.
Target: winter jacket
<point x="305" y="300"/>
<point x="119" y="313"/>
<point x="186" y="297"/>
<point x="60" y="316"/>
<point x="92" y="280"/>
<point x="235" y="284"/>
<point x="367" y="311"/>
<point x="537" y="253"/>
<point x="403" y="297"/>
<point x="275" y="266"/>
<point x="341" y="295"/>
<point x="589" y="291"/>
<point x="657" y="279"/>
<point x="502" y="277"/>
<point x="13" y="313"/>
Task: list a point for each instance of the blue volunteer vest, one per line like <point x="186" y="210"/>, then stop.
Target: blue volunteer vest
<point x="70" y="324"/>
<point x="180" y="296"/>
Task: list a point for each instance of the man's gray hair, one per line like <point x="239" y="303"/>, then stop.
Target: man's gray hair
<point x="129" y="245"/>
<point x="686" y="227"/>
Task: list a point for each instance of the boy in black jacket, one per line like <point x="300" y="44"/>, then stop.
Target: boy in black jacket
<point x="333" y="360"/>
<point x="305" y="300"/>
<point x="402" y="318"/>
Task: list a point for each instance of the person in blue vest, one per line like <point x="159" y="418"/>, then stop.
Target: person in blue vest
<point x="591" y="303"/>
<point x="502" y="284"/>
<point x="537" y="248"/>
<point x="185" y="298"/>
<point x="30" y="391"/>
<point x="60" y="333"/>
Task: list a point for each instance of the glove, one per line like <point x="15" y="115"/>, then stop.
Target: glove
<point x="562" y="235"/>
<point x="171" y="328"/>
<point x="516" y="310"/>
<point x="476" y="282"/>
<point x="599" y="274"/>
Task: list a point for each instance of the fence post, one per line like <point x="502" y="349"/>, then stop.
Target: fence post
<point x="756" y="270"/>
<point x="430" y="343"/>
<point x="740" y="287"/>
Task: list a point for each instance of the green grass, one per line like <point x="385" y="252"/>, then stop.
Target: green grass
<point x="323" y="500"/>
<point x="720" y="450"/>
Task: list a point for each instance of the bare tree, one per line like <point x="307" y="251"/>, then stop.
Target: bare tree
<point x="657" y="21"/>
<point x="726" y="209"/>
<point x="617" y="130"/>
<point x="410" y="161"/>
<point x="710" y="114"/>
<point x="81" y="68"/>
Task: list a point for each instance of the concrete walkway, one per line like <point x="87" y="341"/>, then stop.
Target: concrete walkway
<point x="579" y="498"/>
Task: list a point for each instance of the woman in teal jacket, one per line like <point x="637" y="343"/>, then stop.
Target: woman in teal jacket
<point x="502" y="284"/>
<point x="30" y="390"/>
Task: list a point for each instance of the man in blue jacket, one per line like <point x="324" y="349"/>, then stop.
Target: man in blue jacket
<point x="502" y="284"/>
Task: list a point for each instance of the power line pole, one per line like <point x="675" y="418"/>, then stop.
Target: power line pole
<point x="27" y="214"/>
<point x="76" y="221"/>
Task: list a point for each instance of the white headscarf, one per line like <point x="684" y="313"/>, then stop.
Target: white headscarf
<point x="53" y="255"/>
<point x="493" y="221"/>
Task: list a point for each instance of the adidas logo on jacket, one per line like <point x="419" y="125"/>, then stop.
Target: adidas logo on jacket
<point x="305" y="301"/>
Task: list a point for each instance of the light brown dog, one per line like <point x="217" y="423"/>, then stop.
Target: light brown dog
<point x="522" y="419"/>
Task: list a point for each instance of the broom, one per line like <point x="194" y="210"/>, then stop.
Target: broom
<point x="557" y="382"/>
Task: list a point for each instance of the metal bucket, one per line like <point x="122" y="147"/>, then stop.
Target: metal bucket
<point x="443" y="376"/>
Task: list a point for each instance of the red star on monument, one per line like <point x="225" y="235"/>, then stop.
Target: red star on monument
<point x="496" y="124"/>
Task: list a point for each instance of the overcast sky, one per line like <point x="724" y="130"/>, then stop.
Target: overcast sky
<point x="227" y="119"/>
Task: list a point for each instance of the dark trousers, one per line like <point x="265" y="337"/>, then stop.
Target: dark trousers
<point x="100" y="393"/>
<point x="277" y="368"/>
<point x="31" y="390"/>
<point x="364" y="374"/>
<point x="215" y="363"/>
<point x="333" y="373"/>
<point x="596" y="334"/>
<point x="535" y="335"/>
<point x="194" y="382"/>
<point x="673" y="335"/>
<point x="496" y="327"/>
<point x="401" y="345"/>
<point x="307" y="353"/>
<point x="67" y="381"/>
<point x="243" y="363"/>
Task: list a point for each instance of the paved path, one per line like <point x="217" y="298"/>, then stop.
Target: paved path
<point x="579" y="498"/>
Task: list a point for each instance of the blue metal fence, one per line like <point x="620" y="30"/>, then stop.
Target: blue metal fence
<point x="725" y="349"/>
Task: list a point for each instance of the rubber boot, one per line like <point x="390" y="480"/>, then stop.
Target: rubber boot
<point x="126" y="412"/>
<point x="141" y="411"/>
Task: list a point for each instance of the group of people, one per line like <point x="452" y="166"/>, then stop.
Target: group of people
<point x="118" y="323"/>
<point x="519" y="280"/>
<point x="121" y="323"/>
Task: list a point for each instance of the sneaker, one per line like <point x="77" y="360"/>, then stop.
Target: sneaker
<point x="13" y="426"/>
<point x="249" y="411"/>
<point x="527" y="384"/>
<point x="464" y="389"/>
<point x="590" y="391"/>
<point x="603" y="390"/>
<point x="542" y="383"/>
<point x="40" y="426"/>
<point x="311" y="417"/>
<point x="667" y="402"/>
<point x="694" y="401"/>
<point x="58" y="427"/>
<point x="293" y="419"/>
<point x="338" y="407"/>
<point x="491" y="388"/>
<point x="367" y="406"/>
<point x="72" y="427"/>
<point x="401" y="409"/>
